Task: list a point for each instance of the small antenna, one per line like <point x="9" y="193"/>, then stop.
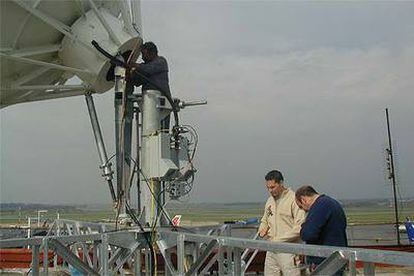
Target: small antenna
<point x="391" y="176"/>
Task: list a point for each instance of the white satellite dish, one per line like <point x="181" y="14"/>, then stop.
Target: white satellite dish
<point x="44" y="43"/>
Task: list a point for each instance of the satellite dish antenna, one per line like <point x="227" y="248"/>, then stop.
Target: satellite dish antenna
<point x="45" y="43"/>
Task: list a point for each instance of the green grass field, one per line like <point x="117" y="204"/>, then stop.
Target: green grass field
<point x="218" y="214"/>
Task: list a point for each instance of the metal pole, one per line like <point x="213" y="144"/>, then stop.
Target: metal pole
<point x="45" y="257"/>
<point x="35" y="260"/>
<point x="105" y="165"/>
<point x="123" y="136"/>
<point x="137" y="159"/>
<point x="392" y="176"/>
<point x="104" y="255"/>
<point x="237" y="261"/>
<point x="127" y="142"/>
<point x="150" y="126"/>
<point x="118" y="119"/>
<point x="137" y="262"/>
<point x="180" y="254"/>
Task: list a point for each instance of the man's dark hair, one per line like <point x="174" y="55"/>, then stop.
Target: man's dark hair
<point x="150" y="47"/>
<point x="274" y="175"/>
<point x="305" y="191"/>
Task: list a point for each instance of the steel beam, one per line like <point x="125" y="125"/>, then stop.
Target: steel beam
<point x="100" y="144"/>
<point x="58" y="25"/>
<point x="331" y="265"/>
<point x="202" y="258"/>
<point x="48" y="88"/>
<point x="104" y="255"/>
<point x="137" y="262"/>
<point x="136" y="16"/>
<point x="71" y="258"/>
<point x="31" y="51"/>
<point x="45" y="64"/>
<point x="104" y="23"/>
<point x="30" y="76"/>
<point x="35" y="260"/>
<point x="366" y="255"/>
<point x="237" y="261"/>
<point x="369" y="269"/>
<point x="180" y="254"/>
<point x="126" y="16"/>
<point x="45" y="257"/>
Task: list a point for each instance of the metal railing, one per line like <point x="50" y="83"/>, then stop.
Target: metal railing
<point x="92" y="248"/>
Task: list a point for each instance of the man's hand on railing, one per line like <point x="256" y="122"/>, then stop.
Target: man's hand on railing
<point x="263" y="232"/>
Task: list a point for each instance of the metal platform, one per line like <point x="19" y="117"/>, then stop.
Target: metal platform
<point x="99" y="249"/>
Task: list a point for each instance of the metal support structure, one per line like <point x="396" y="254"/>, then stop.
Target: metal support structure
<point x="125" y="245"/>
<point x="104" y="23"/>
<point x="352" y="264"/>
<point x="107" y="172"/>
<point x="138" y="125"/>
<point x="30" y="76"/>
<point x="180" y="254"/>
<point x="369" y="269"/>
<point x="31" y="51"/>
<point x="71" y="258"/>
<point x="48" y="88"/>
<point x="45" y="257"/>
<point x="331" y="264"/>
<point x="136" y="16"/>
<point x="61" y="27"/>
<point x="221" y="259"/>
<point x="151" y="201"/>
<point x="35" y="259"/>
<point x="123" y="138"/>
<point x="45" y="64"/>
<point x="137" y="262"/>
<point x="237" y="266"/>
<point x="104" y="256"/>
<point x="126" y="17"/>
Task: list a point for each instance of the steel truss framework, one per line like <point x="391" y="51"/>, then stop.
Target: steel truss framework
<point x="96" y="249"/>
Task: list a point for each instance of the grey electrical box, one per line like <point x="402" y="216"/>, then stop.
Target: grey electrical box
<point x="162" y="165"/>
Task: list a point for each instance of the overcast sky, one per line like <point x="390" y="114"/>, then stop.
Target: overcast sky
<point x="300" y="87"/>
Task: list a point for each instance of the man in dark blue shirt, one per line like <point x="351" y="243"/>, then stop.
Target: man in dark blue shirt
<point x="325" y="223"/>
<point x="152" y="74"/>
<point x="154" y="68"/>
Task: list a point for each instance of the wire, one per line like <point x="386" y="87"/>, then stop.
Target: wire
<point x="175" y="228"/>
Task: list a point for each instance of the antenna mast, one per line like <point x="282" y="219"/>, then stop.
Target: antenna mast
<point x="391" y="176"/>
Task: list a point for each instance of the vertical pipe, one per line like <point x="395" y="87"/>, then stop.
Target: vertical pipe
<point x="137" y="158"/>
<point x="237" y="261"/>
<point x="352" y="264"/>
<point x="220" y="260"/>
<point x="95" y="255"/>
<point x="118" y="119"/>
<point x="180" y="254"/>
<point x="392" y="175"/>
<point x="147" y="263"/>
<point x="35" y="260"/>
<point x="127" y="145"/>
<point x="137" y="262"/>
<point x="123" y="130"/>
<point x="45" y="257"/>
<point x="150" y="125"/>
<point x="104" y="255"/>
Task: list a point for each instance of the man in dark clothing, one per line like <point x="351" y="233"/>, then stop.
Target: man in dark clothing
<point x="154" y="67"/>
<point x="325" y="223"/>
